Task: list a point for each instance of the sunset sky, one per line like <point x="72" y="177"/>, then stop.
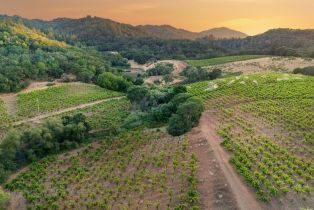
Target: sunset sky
<point x="249" y="16"/>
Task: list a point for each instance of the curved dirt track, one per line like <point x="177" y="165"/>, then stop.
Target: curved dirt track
<point x="244" y="196"/>
<point x="178" y="67"/>
<point x="38" y="118"/>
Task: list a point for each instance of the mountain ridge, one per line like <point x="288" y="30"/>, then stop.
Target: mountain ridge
<point x="112" y="28"/>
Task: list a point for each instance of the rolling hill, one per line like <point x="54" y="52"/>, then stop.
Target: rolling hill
<point x="169" y="32"/>
<point x="105" y="29"/>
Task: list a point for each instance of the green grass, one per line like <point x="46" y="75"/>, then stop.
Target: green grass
<point x="222" y="60"/>
<point x="267" y="122"/>
<point x="60" y="97"/>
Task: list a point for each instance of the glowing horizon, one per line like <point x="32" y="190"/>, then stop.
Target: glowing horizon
<point x="248" y="16"/>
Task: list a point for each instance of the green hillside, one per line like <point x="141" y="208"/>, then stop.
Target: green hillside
<point x="26" y="54"/>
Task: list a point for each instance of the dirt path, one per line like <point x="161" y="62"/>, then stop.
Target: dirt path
<point x="178" y="67"/>
<point x="215" y="192"/>
<point x="50" y="114"/>
<point x="10" y="103"/>
<point x="244" y="196"/>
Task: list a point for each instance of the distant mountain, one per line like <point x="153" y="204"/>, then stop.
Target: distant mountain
<point x="223" y="33"/>
<point x="149" y="42"/>
<point x="169" y="32"/>
<point x="282" y="41"/>
<point x="88" y="28"/>
<point x="95" y="28"/>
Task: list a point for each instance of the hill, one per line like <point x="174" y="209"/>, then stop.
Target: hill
<point x="88" y="28"/>
<point x="28" y="54"/>
<point x="103" y="29"/>
<point x="222" y="33"/>
<point x="280" y="41"/>
<point x="169" y="32"/>
<point x="144" y="43"/>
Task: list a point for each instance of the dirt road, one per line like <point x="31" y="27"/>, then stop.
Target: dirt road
<point x="178" y="67"/>
<point x="50" y="114"/>
<point x="244" y="196"/>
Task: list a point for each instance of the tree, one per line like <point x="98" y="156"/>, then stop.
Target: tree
<point x="168" y="78"/>
<point x="186" y="117"/>
<point x="113" y="82"/>
<point x="139" y="97"/>
<point x="177" y="125"/>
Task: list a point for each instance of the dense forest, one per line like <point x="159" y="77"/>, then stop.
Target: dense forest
<point x="27" y="54"/>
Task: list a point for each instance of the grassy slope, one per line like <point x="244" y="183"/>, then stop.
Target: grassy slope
<point x="134" y="171"/>
<point x="267" y="122"/>
<point x="56" y="98"/>
<point x="222" y="60"/>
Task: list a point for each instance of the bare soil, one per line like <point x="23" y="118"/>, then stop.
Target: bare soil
<point x="282" y="64"/>
<point x="216" y="193"/>
<point x="10" y="103"/>
<point x="178" y="65"/>
<point x="243" y="195"/>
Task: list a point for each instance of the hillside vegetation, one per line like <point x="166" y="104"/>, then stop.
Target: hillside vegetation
<point x="27" y="54"/>
<point x="145" y="43"/>
<point x="266" y="121"/>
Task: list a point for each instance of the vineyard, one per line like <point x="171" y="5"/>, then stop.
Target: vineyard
<point x="3" y="115"/>
<point x="266" y="121"/>
<point x="222" y="60"/>
<point x="4" y="119"/>
<point x="137" y="170"/>
<point x="106" y="116"/>
<point x="55" y="98"/>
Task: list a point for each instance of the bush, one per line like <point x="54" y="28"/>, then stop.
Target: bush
<point x="35" y="143"/>
<point x="187" y="116"/>
<point x="195" y="74"/>
<point x="113" y="82"/>
<point x="306" y="71"/>
<point x="135" y="120"/>
<point x="160" y="69"/>
<point x="177" y="125"/>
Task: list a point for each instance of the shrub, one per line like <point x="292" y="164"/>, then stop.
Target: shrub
<point x="194" y="74"/>
<point x="306" y="71"/>
<point x="161" y="69"/>
<point x="186" y="117"/>
<point x="113" y="82"/>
